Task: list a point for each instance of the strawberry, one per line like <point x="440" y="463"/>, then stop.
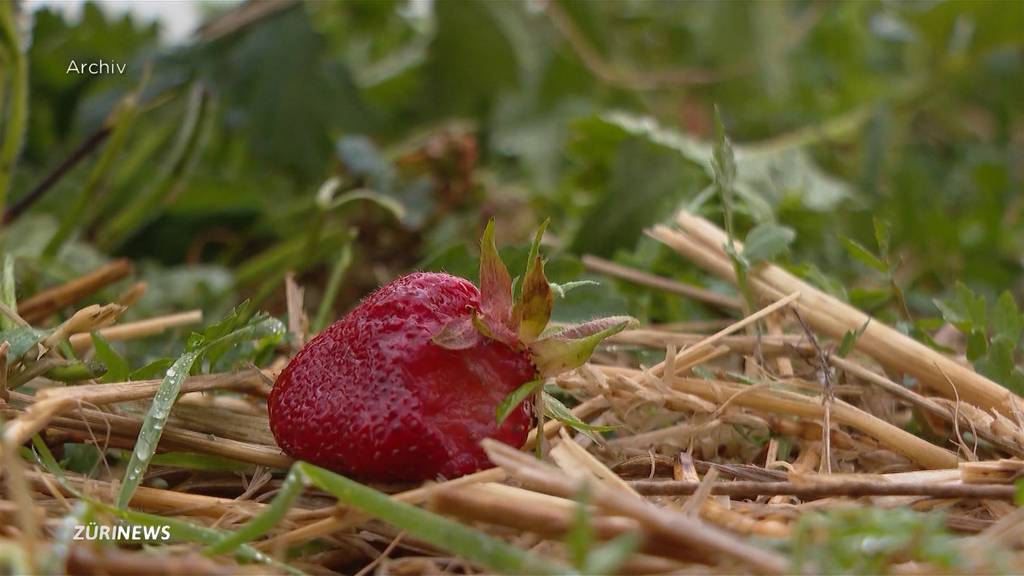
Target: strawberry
<point x="406" y="386"/>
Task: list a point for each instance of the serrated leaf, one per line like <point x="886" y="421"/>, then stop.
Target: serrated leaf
<point x="513" y="400"/>
<point x="972" y="305"/>
<point x="766" y="241"/>
<point x="1006" y="319"/>
<point x="495" y="288"/>
<point x="572" y="347"/>
<point x="863" y="255"/>
<point x="998" y="362"/>
<point x="977" y="345"/>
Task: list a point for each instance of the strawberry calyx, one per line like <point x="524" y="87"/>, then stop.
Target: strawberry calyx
<point x="520" y="321"/>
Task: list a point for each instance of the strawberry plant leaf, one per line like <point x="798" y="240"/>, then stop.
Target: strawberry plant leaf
<point x="572" y="347"/>
<point x="977" y="345"/>
<point x="513" y="400"/>
<point x="766" y="241"/>
<point x="858" y="252"/>
<point x="973" y="305"/>
<point x="1006" y="319"/>
<point x="495" y="283"/>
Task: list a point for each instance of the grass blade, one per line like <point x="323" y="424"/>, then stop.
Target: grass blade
<point x="434" y="529"/>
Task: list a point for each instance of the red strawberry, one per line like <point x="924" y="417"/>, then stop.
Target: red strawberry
<point x="406" y="386"/>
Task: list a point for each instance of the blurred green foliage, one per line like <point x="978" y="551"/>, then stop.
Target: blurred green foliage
<point x="598" y="115"/>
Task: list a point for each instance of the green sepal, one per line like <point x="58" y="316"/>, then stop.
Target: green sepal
<point x="555" y="410"/>
<point x="572" y="347"/>
<point x="516" y="398"/>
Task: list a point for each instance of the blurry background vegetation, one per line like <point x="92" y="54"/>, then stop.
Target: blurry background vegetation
<point x="354" y="141"/>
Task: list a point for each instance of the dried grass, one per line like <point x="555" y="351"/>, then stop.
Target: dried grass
<point x="712" y="446"/>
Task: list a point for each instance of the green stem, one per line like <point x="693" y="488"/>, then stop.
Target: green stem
<point x="324" y="312"/>
<point x="17" y="112"/>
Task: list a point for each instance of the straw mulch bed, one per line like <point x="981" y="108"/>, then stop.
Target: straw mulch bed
<point x="746" y="428"/>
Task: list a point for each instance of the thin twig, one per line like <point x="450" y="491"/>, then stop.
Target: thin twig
<point x="805" y="491"/>
<point x="635" y="276"/>
<point x="827" y="397"/>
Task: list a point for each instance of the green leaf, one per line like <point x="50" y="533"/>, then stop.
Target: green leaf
<point x="152" y="370"/>
<point x="850" y="339"/>
<point x="213" y="341"/>
<point x="572" y="347"/>
<point x="271" y="516"/>
<point x="204" y="462"/>
<point x="977" y="345"/>
<point x="608" y="558"/>
<point x="1018" y="497"/>
<point x="21" y="340"/>
<point x="863" y="255"/>
<point x="883" y="235"/>
<point x="554" y="408"/>
<point x="513" y="400"/>
<point x="580" y="537"/>
<point x="973" y="305"/>
<point x="81" y="458"/>
<point x="723" y="160"/>
<point x="1006" y="319"/>
<point x="7" y="293"/>
<point x="117" y="367"/>
<point x="436" y="530"/>
<point x="766" y="241"/>
<point x="998" y="364"/>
